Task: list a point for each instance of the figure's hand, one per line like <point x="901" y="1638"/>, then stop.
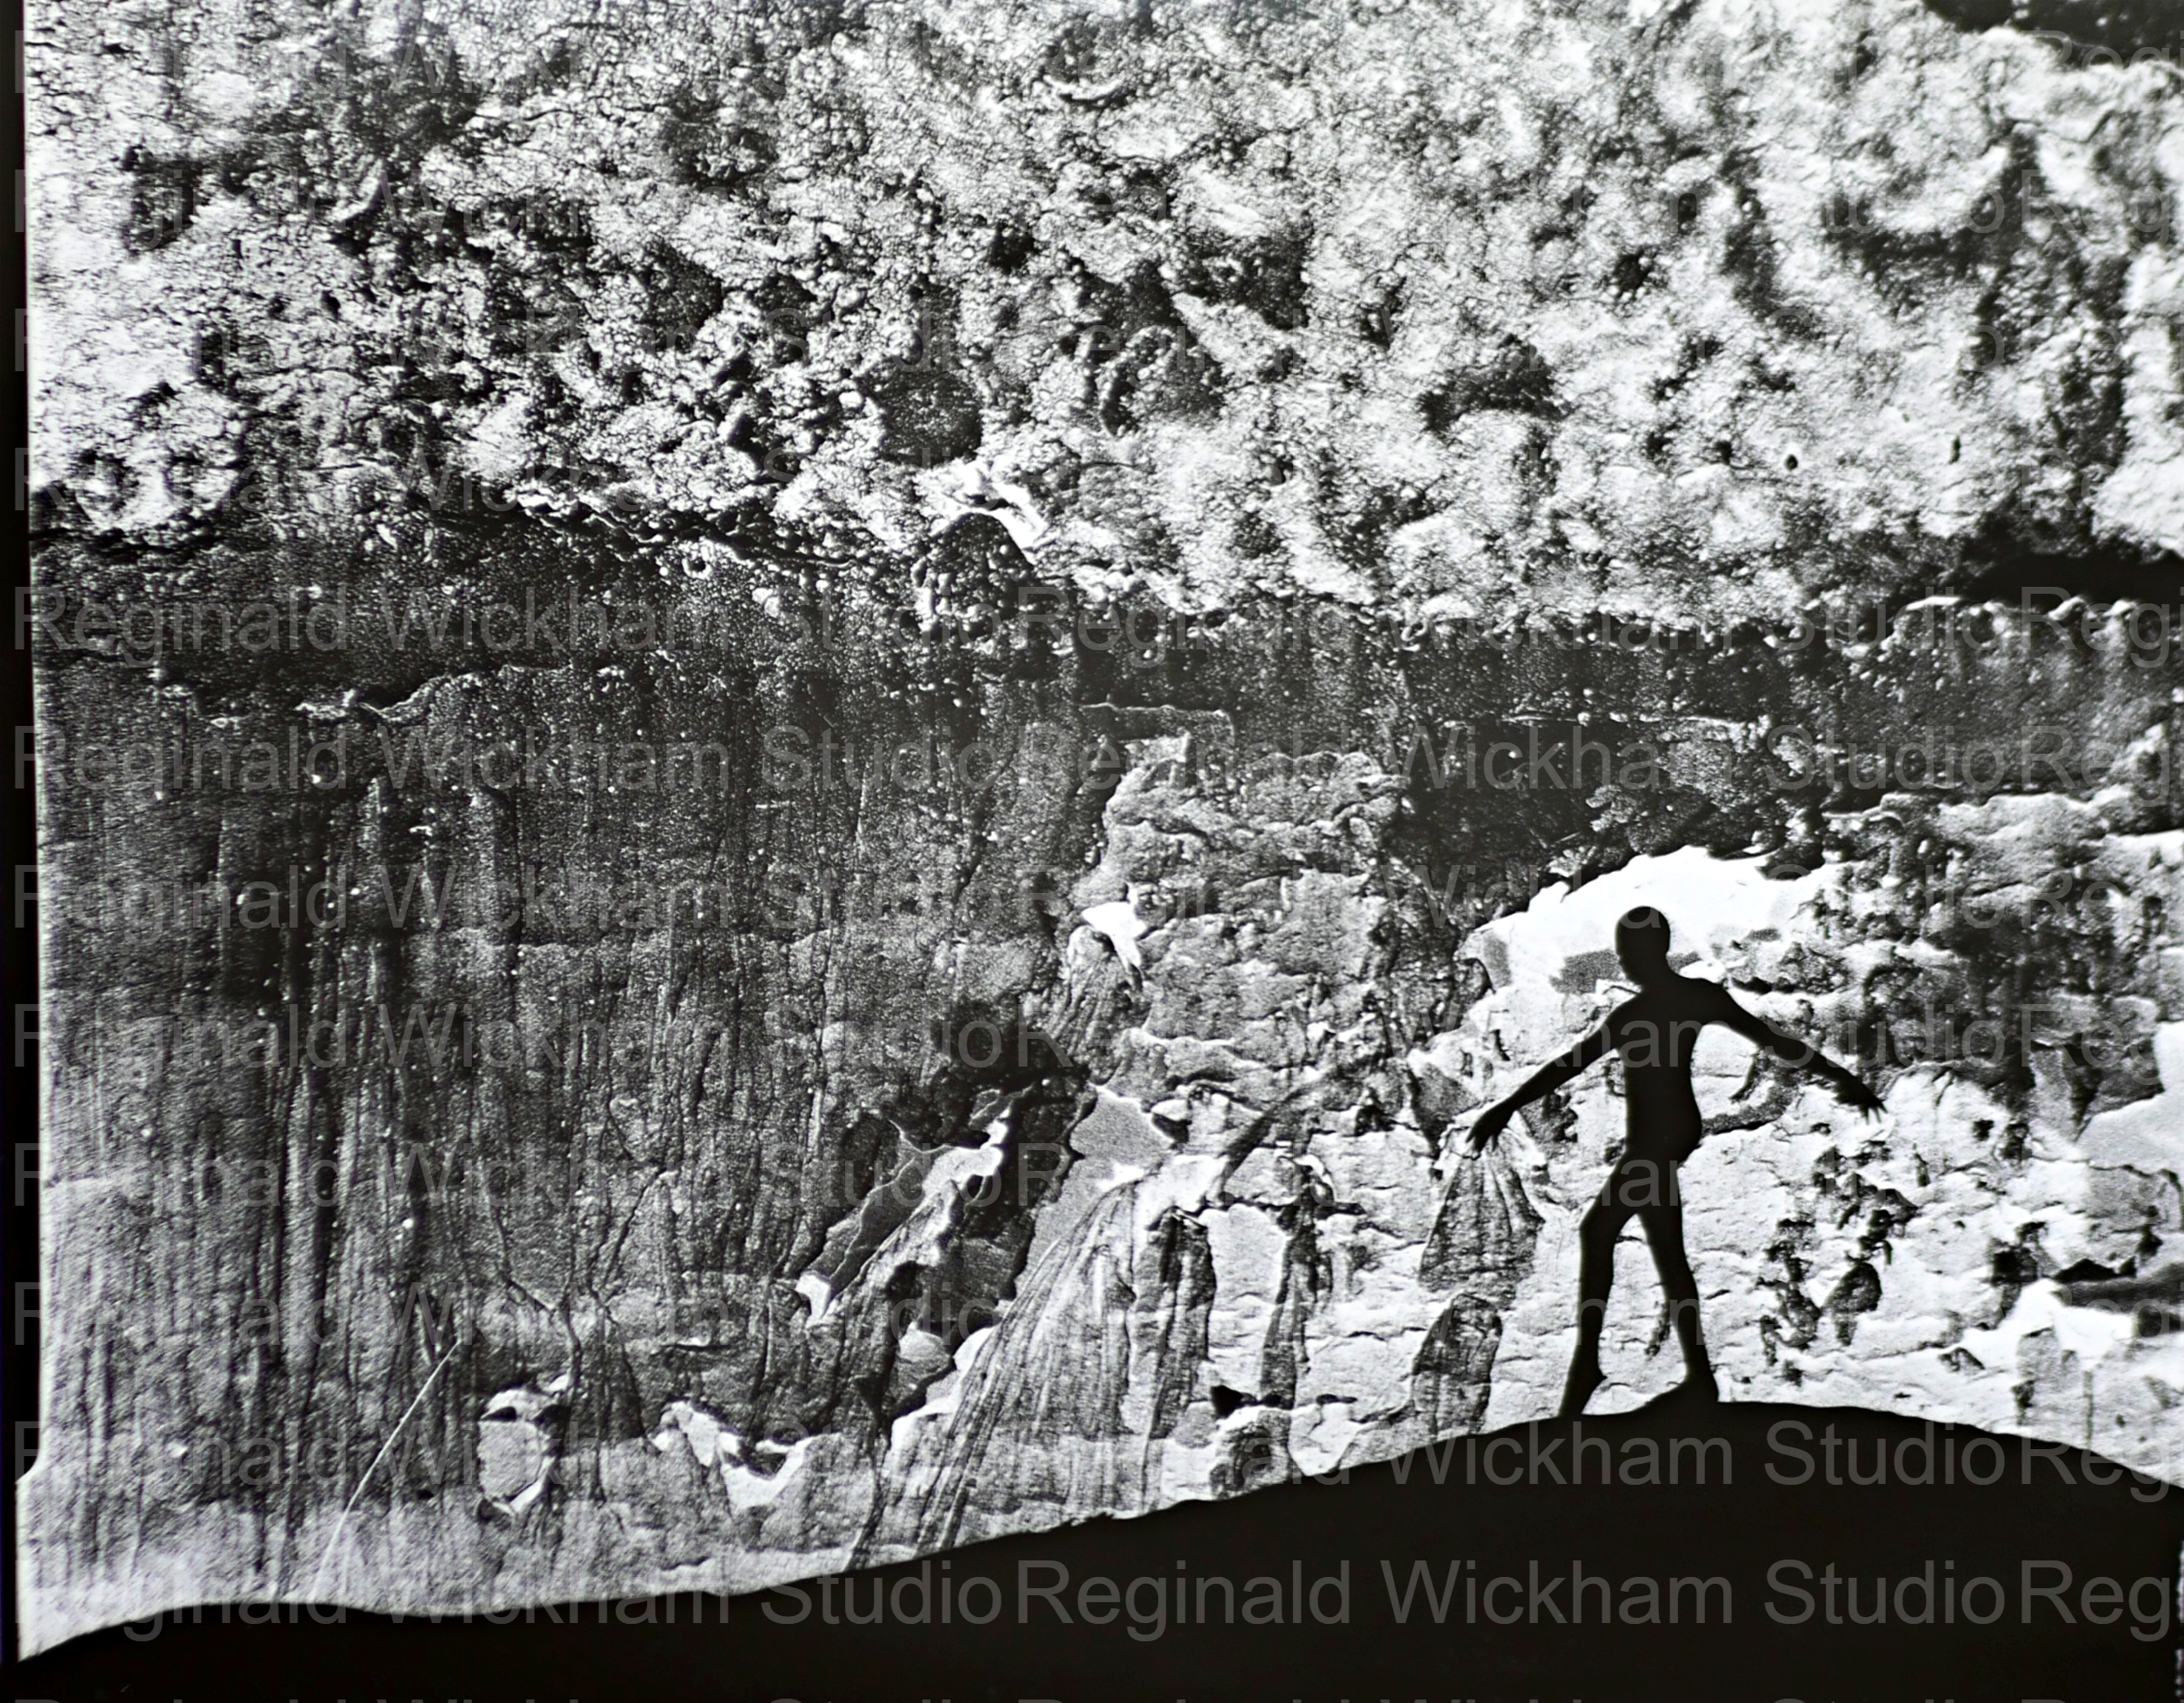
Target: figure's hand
<point x="1491" y="1123"/>
<point x="1860" y="1099"/>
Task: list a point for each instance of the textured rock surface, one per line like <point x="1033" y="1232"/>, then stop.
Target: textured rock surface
<point x="879" y="1059"/>
<point x="1668" y="307"/>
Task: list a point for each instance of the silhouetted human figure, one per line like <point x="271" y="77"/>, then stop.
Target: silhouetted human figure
<point x="1655" y="1034"/>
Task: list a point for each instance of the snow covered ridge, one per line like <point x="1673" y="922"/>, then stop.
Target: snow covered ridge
<point x="1684" y="310"/>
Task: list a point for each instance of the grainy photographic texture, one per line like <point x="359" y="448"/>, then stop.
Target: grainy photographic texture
<point x="800" y="764"/>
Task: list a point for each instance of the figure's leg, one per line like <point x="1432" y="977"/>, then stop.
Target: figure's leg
<point x="1664" y="1232"/>
<point x="1596" y="1235"/>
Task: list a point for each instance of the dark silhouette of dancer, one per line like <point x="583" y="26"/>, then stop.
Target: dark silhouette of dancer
<point x="1656" y="1033"/>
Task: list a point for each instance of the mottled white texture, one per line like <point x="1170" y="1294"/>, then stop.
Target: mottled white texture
<point x="1773" y="296"/>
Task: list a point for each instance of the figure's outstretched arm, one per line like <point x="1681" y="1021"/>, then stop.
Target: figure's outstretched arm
<point x="1801" y="1054"/>
<point x="1541" y="1082"/>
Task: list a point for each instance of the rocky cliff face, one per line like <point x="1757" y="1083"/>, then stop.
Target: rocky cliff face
<point x="795" y="768"/>
<point x="836" y="1172"/>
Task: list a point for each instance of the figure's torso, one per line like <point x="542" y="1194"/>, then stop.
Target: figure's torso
<point x="1655" y="1035"/>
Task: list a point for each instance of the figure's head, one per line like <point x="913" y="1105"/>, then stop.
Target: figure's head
<point x="1641" y="941"/>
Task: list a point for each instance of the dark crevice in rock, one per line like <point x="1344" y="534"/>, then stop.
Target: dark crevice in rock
<point x="2088" y="31"/>
<point x="2009" y="569"/>
<point x="1516" y="380"/>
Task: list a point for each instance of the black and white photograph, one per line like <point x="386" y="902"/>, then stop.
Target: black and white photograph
<point x="1091" y="850"/>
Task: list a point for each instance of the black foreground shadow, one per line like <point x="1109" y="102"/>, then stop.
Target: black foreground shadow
<point x="1740" y="1535"/>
